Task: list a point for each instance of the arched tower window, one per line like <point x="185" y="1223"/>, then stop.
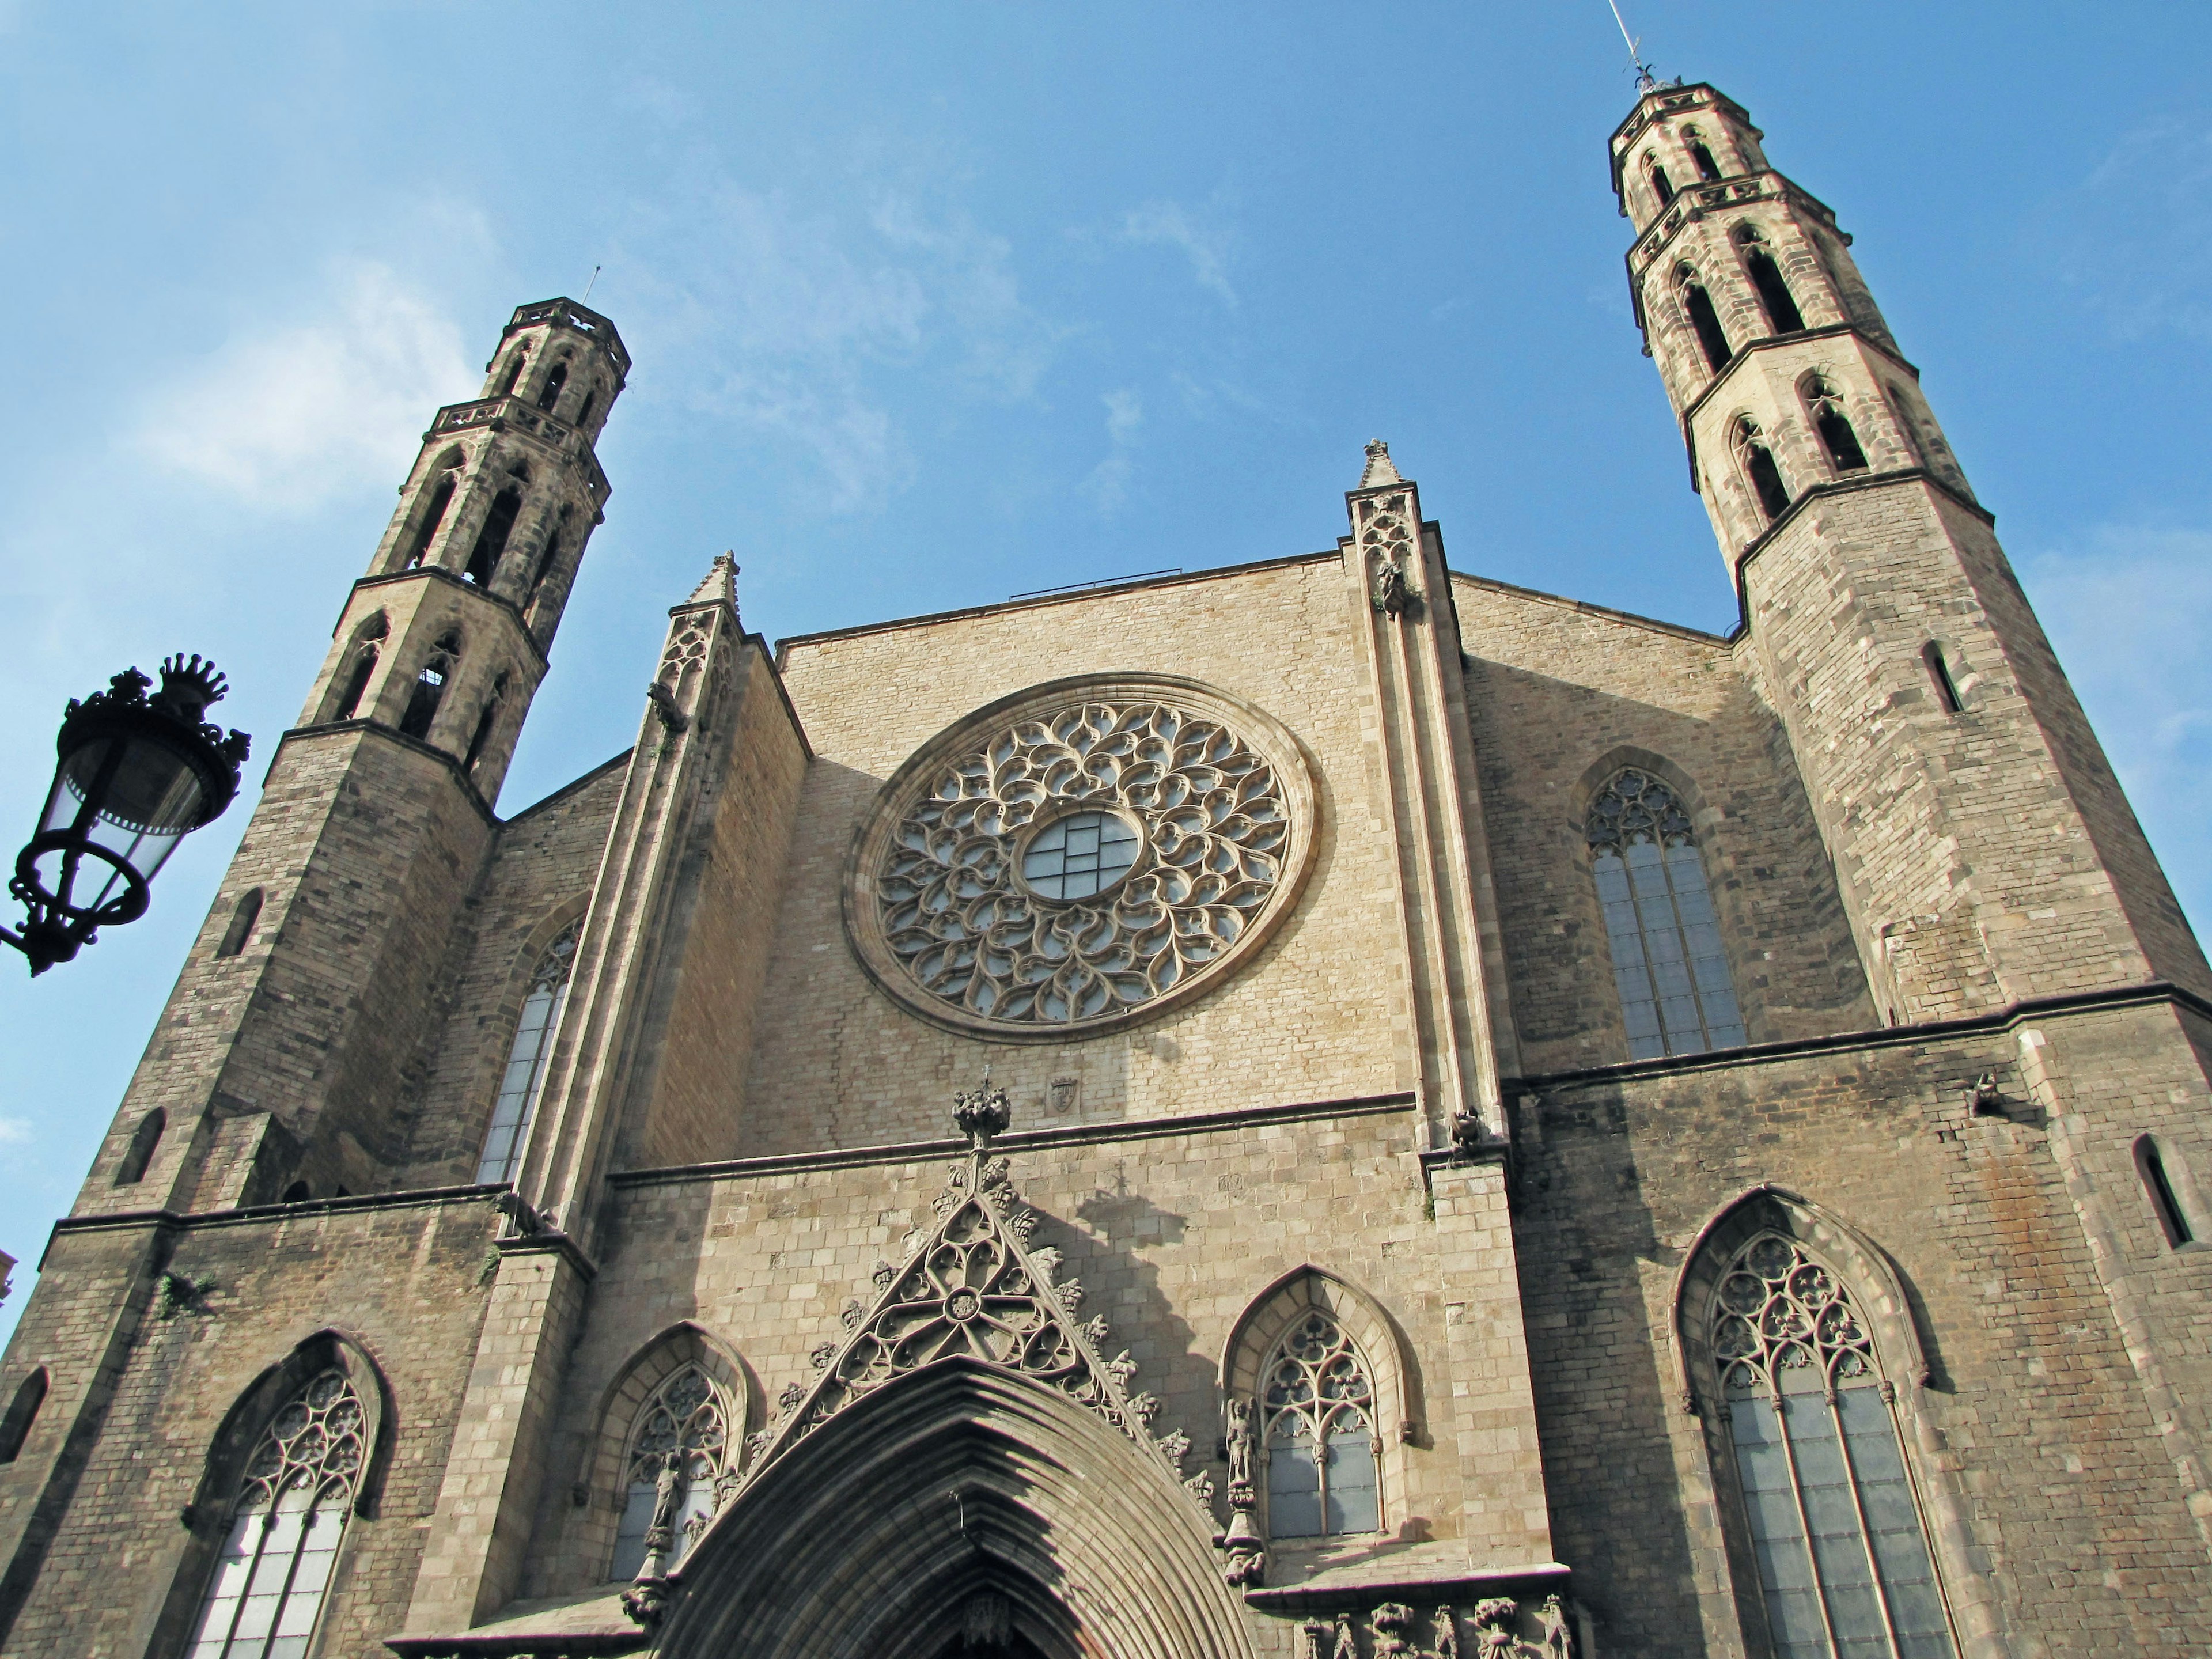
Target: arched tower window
<point x="266" y="1592"/>
<point x="1317" y="1423"/>
<point x="1662" y="186"/>
<point x="242" y="918"/>
<point x="684" y="1432"/>
<point x="547" y="559"/>
<point x="524" y="1080"/>
<point x="485" y="721"/>
<point x="1914" y="440"/>
<point x="1676" y="993"/>
<point x="22" y="1413"/>
<point x="1825" y="404"/>
<point x="1782" y="314"/>
<point x="1843" y="1565"/>
<point x="1760" y="470"/>
<point x="516" y="365"/>
<point x="584" y="411"/>
<point x="1701" y="154"/>
<point x="432" y="515"/>
<point x="355" y="684"/>
<point x="2165" y="1192"/>
<point x="143" y="1140"/>
<point x="430" y="686"/>
<point x="1712" y="338"/>
<point x="491" y="540"/>
<point x="550" y="393"/>
<point x="1939" y="675"/>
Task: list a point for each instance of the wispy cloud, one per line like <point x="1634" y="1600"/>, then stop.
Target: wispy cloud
<point x="287" y="416"/>
<point x="1109" y="482"/>
<point x="2130" y="613"/>
<point x="15" y="1132"/>
<point x="2136" y="235"/>
<point x="1207" y="246"/>
<point x="788" y="319"/>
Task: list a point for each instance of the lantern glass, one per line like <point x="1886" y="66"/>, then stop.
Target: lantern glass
<point x="131" y="798"/>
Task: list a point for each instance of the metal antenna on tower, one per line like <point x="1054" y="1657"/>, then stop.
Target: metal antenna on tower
<point x="586" y="300"/>
<point x="1644" y="78"/>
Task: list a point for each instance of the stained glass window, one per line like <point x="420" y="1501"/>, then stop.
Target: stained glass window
<point x="267" y="1590"/>
<point x="1318" y="1408"/>
<point x="1676" y="993"/>
<point x="686" y="1421"/>
<point x="525" y="1078"/>
<point x="1835" y="1528"/>
<point x="1080" y="856"/>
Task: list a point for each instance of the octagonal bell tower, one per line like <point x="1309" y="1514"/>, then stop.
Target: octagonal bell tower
<point x="1985" y="851"/>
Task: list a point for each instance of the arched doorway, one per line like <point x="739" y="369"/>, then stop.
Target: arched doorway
<point x="958" y="1512"/>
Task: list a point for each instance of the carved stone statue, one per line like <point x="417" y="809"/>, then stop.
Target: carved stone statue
<point x="1390" y="1622"/>
<point x="1392" y="596"/>
<point x="1447" y="1633"/>
<point x="1552" y="1624"/>
<point x="668" y="1491"/>
<point x="1240" y="1438"/>
<point x="1347" y="1645"/>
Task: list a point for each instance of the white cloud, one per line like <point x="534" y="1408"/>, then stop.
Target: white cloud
<point x="788" y="320"/>
<point x="1207" y="247"/>
<point x="1109" y="482"/>
<point x="2136" y="235"/>
<point x="289" y="416"/>
<point x="15" y="1132"/>
<point x="2130" y="613"/>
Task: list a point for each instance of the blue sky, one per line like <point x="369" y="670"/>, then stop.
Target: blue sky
<point x="932" y="304"/>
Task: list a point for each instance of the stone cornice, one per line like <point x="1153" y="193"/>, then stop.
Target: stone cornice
<point x="362" y="724"/>
<point x="439" y="573"/>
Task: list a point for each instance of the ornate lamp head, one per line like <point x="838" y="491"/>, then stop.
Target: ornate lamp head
<point x="982" y="1112"/>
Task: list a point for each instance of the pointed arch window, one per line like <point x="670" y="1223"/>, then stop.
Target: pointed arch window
<point x="140" y="1153"/>
<point x="550" y="393"/>
<point x="1760" y="470"/>
<point x="1697" y="305"/>
<point x="432" y="515"/>
<point x="1825" y="404"/>
<point x="683" y="1428"/>
<point x="1676" y="996"/>
<point x="491" y="540"/>
<point x="1774" y="296"/>
<point x="369" y="648"/>
<point x="22" y="1413"/>
<point x="524" y="1080"/>
<point x="1842" y="1558"/>
<point x="243" y="919"/>
<point x="1662" y="186"/>
<point x="267" y="1590"/>
<point x="516" y="365"/>
<point x="485" y="721"/>
<point x="1317" y="1404"/>
<point x="1701" y="154"/>
<point x="430" y="686"/>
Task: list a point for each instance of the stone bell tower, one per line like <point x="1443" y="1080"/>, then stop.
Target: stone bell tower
<point x="277" y="1063"/>
<point x="1985" y="851"/>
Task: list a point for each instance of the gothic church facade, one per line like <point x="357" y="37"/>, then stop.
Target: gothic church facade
<point x="1361" y="1112"/>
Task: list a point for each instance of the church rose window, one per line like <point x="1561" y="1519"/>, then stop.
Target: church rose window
<point x="1676" y="993"/>
<point x="523" y="1079"/>
<point x="267" y="1590"/>
<point x="1319" y="1417"/>
<point x="1835" y="1528"/>
<point x="684" y="1424"/>
<point x="1079" y="857"/>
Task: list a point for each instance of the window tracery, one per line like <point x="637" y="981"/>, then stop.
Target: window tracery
<point x="1844" y="1564"/>
<point x="1676" y="996"/>
<point x="267" y="1589"/>
<point x="1318" y="1405"/>
<point x="524" y="1080"/>
<point x="684" y="1427"/>
<point x="1080" y="860"/>
<point x="1760" y="470"/>
<point x="1825" y="405"/>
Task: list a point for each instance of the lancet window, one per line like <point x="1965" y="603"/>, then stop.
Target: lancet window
<point x="1318" y="1422"/>
<point x="1702" y="155"/>
<point x="432" y="515"/>
<point x="550" y="393"/>
<point x="491" y="540"/>
<point x="1843" y="1559"/>
<point x="684" y="1431"/>
<point x="1662" y="186"/>
<point x="430" y="686"/>
<point x="269" y="1582"/>
<point x="1774" y="296"/>
<point x="524" y="1080"/>
<point x="1676" y="996"/>
<point x="366" y="652"/>
<point x="1760" y="470"/>
<point x="1697" y="305"/>
<point x="1826" y="406"/>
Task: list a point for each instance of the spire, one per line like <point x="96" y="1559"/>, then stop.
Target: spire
<point x="721" y="586"/>
<point x="1379" y="471"/>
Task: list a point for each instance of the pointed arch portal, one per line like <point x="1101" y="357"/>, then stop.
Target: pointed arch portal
<point x="955" y="1488"/>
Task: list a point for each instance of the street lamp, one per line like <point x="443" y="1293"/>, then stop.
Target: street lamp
<point x="137" y="775"/>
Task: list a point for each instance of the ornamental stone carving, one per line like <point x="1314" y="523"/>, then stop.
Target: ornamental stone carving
<point x="1080" y="856"/>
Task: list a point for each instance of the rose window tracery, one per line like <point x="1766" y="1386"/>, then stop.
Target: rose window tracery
<point x="1079" y="860"/>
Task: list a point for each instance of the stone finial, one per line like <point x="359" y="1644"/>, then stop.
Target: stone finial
<point x="722" y="583"/>
<point x="1380" y="472"/>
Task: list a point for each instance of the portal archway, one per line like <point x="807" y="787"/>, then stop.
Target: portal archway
<point x="882" y="1533"/>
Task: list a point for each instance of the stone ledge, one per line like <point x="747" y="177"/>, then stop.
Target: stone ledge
<point x="1421" y="1574"/>
<point x="559" y="1627"/>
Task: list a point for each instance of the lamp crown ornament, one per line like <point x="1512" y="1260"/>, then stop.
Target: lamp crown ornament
<point x="982" y="1112"/>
